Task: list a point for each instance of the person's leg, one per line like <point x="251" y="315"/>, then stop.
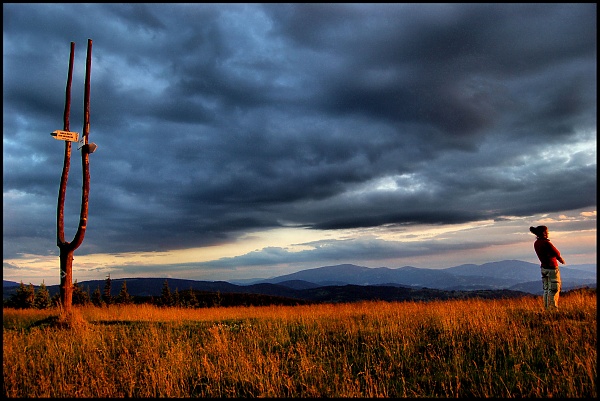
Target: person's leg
<point x="554" y="285"/>
<point x="546" y="287"/>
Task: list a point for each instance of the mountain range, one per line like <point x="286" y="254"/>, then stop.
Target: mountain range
<point x="347" y="282"/>
<point x="508" y="274"/>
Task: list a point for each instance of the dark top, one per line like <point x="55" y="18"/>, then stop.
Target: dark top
<point x="547" y="253"/>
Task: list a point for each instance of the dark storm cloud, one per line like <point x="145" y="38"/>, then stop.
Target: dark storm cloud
<point x="215" y="120"/>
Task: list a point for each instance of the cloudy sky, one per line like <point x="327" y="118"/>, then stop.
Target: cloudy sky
<point x="254" y="140"/>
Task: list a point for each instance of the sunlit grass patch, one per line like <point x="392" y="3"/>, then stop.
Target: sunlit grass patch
<point x="459" y="348"/>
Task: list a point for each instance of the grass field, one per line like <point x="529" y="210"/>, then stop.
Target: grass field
<point x="465" y="348"/>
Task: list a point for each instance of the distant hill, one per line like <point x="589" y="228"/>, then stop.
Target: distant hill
<point x="347" y="282"/>
<point x="507" y="274"/>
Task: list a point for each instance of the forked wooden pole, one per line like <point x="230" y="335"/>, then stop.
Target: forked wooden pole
<point x="68" y="248"/>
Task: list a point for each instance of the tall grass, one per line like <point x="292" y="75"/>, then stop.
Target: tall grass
<point x="464" y="348"/>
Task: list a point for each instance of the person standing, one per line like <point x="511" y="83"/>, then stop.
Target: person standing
<point x="549" y="257"/>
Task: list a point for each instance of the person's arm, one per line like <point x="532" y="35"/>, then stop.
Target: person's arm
<point x="556" y="253"/>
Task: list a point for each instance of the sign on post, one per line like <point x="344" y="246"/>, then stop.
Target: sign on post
<point x="81" y="142"/>
<point x="65" y="135"/>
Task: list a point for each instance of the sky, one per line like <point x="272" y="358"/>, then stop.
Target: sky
<point x="240" y="141"/>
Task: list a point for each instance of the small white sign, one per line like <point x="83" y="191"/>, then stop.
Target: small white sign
<point x="81" y="142"/>
<point x="65" y="135"/>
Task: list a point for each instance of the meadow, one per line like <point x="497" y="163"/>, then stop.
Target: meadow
<point x="507" y="348"/>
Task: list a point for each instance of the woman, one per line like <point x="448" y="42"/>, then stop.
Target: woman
<point x="549" y="257"/>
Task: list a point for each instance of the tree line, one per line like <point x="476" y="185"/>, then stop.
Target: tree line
<point x="27" y="296"/>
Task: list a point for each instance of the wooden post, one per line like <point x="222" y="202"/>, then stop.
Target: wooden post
<point x="68" y="248"/>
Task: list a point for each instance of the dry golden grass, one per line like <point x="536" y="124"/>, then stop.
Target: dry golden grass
<point x="466" y="348"/>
